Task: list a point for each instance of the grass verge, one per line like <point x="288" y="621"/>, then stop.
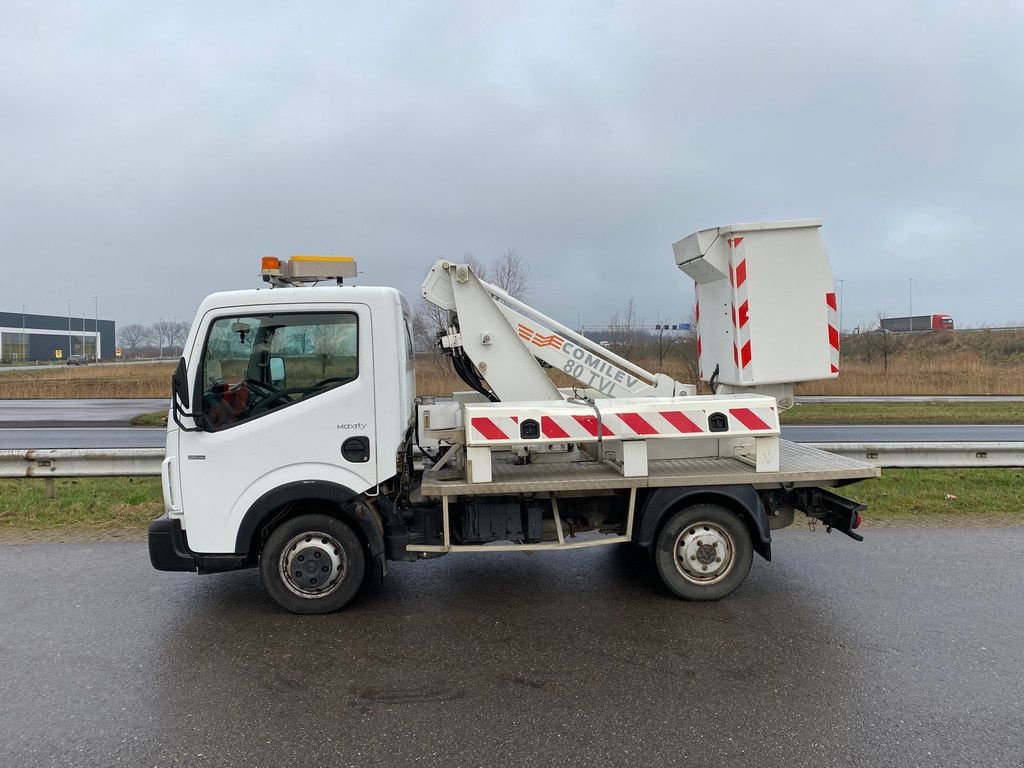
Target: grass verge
<point x="904" y="413"/>
<point x="993" y="496"/>
<point x="155" y="419"/>
<point x="104" y="507"/>
<point x="80" y="506"/>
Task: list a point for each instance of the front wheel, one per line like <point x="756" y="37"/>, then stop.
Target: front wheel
<point x="312" y="564"/>
<point x="703" y="552"/>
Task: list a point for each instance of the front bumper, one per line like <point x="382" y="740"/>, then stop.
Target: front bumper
<point x="168" y="551"/>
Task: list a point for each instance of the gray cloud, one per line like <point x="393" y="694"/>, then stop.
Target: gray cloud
<point x="151" y="154"/>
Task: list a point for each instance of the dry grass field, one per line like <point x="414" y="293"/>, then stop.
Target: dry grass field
<point x="940" y="363"/>
<point x="121" y="380"/>
<point x="976" y="362"/>
<point x="961" y="373"/>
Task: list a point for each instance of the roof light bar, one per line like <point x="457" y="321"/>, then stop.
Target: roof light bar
<point x="307" y="269"/>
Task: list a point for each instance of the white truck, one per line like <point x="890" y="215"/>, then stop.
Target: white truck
<point x="296" y="442"/>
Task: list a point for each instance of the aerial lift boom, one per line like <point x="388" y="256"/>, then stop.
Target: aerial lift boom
<point x="501" y="338"/>
<point x="766" y="309"/>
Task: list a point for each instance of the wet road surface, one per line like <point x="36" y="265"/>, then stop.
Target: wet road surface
<point x="903" y="650"/>
<point x="85" y="437"/>
<point x="76" y="413"/>
<point x="903" y="433"/>
<point x="103" y="424"/>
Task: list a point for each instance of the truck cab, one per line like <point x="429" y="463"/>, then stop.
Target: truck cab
<point x="294" y="394"/>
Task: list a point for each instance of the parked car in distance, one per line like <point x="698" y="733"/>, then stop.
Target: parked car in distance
<point x="78" y="360"/>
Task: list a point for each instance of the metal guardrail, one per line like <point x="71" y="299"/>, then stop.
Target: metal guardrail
<point x="81" y="462"/>
<point x="145" y="462"/>
<point x="50" y="464"/>
<point x="934" y="455"/>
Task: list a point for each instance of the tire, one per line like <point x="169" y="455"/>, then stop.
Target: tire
<point x="703" y="552"/>
<point x="301" y="553"/>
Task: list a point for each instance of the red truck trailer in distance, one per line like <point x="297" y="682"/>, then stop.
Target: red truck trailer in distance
<point x="918" y="323"/>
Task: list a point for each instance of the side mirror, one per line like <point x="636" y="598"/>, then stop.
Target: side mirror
<point x="180" y="399"/>
<point x="179" y="384"/>
<point x="277" y="372"/>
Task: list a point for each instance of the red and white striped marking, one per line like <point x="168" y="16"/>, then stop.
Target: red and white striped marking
<point x="627" y="424"/>
<point x="622" y="425"/>
<point x="833" y="331"/>
<point x="753" y="419"/>
<point x="696" y="328"/>
<point x="495" y="427"/>
<point x="741" y="350"/>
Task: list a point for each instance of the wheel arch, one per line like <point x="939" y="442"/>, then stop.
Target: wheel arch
<point x="296" y="498"/>
<point x="744" y="500"/>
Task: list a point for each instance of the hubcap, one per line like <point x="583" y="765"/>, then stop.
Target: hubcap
<point x="313" y="564"/>
<point x="704" y="553"/>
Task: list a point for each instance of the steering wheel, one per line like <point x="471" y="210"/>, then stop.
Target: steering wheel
<point x="260" y="387"/>
<point x="266" y="402"/>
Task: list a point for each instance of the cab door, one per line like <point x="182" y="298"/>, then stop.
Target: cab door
<point x="281" y="396"/>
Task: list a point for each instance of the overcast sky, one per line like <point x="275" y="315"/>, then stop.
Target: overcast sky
<point x="152" y="152"/>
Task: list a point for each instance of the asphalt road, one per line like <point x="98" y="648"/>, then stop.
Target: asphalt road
<point x="148" y="437"/>
<point x="106" y="363"/>
<point x="82" y="437"/>
<point x="897" y="433"/>
<point x="103" y="424"/>
<point x="75" y="413"/>
<point x="901" y="651"/>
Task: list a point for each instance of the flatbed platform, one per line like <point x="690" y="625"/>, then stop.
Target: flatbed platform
<point x="799" y="465"/>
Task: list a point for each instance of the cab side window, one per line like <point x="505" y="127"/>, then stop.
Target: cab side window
<point x="257" y="364"/>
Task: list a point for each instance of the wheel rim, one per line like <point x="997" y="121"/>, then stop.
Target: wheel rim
<point x="704" y="553"/>
<point x="313" y="564"/>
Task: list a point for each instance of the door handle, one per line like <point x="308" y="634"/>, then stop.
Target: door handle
<point x="356" y="449"/>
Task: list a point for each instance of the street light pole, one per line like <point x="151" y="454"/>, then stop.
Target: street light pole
<point x="83" y="336"/>
<point x="24" y="337"/>
<point x="96" y="324"/>
<point x="69" y="327"/>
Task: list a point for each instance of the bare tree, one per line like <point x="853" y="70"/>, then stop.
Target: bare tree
<point x="509" y="273"/>
<point x="179" y="332"/>
<point x="512" y="274"/>
<point x="624" y="329"/>
<point x="479" y="268"/>
<point x="133" y="336"/>
<point x="688" y="350"/>
<point x="662" y="344"/>
<point x="326" y="344"/>
<point x="162" y="334"/>
<point x="302" y="338"/>
<point x="429" y="320"/>
<point x="882" y="340"/>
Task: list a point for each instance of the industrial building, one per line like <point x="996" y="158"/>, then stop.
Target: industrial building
<point x="28" y="338"/>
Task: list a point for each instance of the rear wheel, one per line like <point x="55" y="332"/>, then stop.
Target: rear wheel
<point x="312" y="564"/>
<point x="703" y="552"/>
